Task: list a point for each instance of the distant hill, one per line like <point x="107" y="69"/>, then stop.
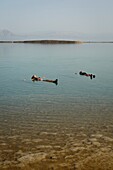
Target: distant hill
<point x="39" y="35"/>
<point x="6" y="35"/>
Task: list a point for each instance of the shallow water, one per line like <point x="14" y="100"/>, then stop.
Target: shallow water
<point x="34" y="115"/>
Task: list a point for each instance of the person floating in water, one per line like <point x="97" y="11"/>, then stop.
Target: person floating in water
<point x="87" y="74"/>
<point x="36" y="78"/>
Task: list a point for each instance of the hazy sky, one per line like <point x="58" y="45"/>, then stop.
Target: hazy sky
<point x="81" y="16"/>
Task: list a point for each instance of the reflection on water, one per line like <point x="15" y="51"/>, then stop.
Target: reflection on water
<point x="61" y="126"/>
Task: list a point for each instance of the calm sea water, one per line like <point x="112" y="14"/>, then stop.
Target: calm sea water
<point x="28" y="105"/>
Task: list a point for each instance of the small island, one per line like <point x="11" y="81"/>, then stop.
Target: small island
<point x="52" y="41"/>
<point x="44" y="41"/>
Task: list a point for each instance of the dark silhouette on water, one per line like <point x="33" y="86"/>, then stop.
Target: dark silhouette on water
<point x="87" y="74"/>
<point x="36" y="78"/>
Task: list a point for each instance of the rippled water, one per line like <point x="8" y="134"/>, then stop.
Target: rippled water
<point x="74" y="95"/>
<point x="28" y="108"/>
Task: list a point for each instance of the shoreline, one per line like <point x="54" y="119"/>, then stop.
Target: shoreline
<point x="52" y="41"/>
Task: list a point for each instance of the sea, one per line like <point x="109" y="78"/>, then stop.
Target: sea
<point x="33" y="114"/>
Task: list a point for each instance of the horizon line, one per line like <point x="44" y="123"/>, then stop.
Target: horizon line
<point x="53" y="41"/>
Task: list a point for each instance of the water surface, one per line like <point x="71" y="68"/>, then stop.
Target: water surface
<point x="34" y="110"/>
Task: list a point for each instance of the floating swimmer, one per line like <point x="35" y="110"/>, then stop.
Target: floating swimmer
<point x="36" y="78"/>
<point x="87" y="74"/>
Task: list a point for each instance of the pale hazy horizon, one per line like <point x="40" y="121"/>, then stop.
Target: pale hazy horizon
<point x="85" y="19"/>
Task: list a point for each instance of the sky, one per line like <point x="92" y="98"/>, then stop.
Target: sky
<point x="80" y="16"/>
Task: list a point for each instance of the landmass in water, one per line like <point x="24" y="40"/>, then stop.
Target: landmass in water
<point x="44" y="41"/>
<point x="54" y="41"/>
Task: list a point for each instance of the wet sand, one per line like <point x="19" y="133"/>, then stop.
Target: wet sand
<point x="57" y="141"/>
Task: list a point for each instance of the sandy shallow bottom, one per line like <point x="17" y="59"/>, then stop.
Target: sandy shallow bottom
<point x="51" y="141"/>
